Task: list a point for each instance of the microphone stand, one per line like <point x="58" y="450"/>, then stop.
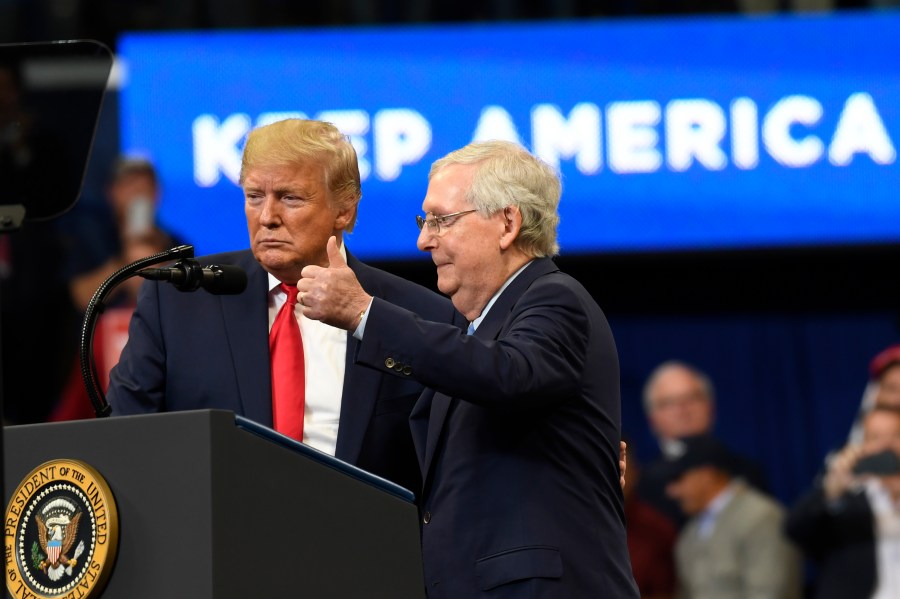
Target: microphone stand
<point x="96" y="306"/>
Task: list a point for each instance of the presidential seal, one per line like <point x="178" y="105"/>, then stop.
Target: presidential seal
<point x="61" y="531"/>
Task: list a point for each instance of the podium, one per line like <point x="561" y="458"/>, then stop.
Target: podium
<point x="214" y="506"/>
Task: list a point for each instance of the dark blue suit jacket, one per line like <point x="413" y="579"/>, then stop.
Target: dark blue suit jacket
<point x="840" y="538"/>
<point x="190" y="351"/>
<point x="518" y="436"/>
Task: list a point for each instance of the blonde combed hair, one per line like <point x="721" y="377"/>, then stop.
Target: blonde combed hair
<point x="293" y="141"/>
<point x="508" y="175"/>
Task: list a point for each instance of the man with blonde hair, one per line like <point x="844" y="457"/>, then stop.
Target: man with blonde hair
<point x="518" y="431"/>
<point x="191" y="351"/>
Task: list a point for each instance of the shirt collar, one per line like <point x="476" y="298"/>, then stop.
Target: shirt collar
<point x="721" y="500"/>
<point x="671" y="448"/>
<point x="487" y="308"/>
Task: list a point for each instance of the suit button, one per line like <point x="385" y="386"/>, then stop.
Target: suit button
<point x="398" y="366"/>
<point x="389" y="362"/>
<point x="426" y="517"/>
<point x="407" y="370"/>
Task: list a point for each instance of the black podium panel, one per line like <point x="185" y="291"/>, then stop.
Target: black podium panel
<point x="208" y="509"/>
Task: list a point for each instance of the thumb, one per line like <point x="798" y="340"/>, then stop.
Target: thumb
<point x="335" y="259"/>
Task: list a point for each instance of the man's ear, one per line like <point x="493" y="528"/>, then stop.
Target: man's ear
<point x="512" y="224"/>
<point x="344" y="217"/>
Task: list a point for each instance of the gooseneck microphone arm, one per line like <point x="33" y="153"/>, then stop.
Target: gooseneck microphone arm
<point x="96" y="306"/>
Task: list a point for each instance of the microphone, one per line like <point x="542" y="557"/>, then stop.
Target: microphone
<point x="188" y="275"/>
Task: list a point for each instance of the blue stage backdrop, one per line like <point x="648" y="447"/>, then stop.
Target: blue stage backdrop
<point x="676" y="134"/>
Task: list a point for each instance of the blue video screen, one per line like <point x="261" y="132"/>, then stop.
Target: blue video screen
<point x="687" y="134"/>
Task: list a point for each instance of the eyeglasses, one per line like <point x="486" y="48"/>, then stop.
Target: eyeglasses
<point x="680" y="400"/>
<point x="434" y="223"/>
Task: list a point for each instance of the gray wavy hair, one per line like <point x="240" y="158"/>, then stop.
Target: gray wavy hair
<point x="508" y="175"/>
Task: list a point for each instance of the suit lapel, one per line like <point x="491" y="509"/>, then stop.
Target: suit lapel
<point x="493" y="323"/>
<point x="246" y="321"/>
<point x="489" y="328"/>
<point x="357" y="405"/>
<point x="419" y="423"/>
<point x="361" y="385"/>
<point x="440" y="406"/>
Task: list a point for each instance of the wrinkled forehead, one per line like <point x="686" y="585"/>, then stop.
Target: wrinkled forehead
<point x="285" y="174"/>
<point x="448" y="190"/>
<point x="882" y="425"/>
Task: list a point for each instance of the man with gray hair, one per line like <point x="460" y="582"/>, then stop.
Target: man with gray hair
<point x="518" y="430"/>
<point x="679" y="401"/>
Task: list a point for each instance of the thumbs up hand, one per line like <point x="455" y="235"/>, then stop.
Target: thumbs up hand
<point x="332" y="294"/>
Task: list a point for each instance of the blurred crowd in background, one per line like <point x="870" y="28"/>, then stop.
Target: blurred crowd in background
<point x="703" y="523"/>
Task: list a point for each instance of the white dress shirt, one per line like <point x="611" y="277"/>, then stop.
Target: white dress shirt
<point x="361" y="327"/>
<point x="886" y="513"/>
<point x="324" y="358"/>
<point x="474" y="324"/>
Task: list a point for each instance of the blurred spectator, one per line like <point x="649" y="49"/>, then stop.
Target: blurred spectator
<point x="131" y="234"/>
<point x="885" y="370"/>
<point x="679" y="401"/>
<point x="733" y="545"/>
<point x="849" y="523"/>
<point x="883" y="388"/>
<point x="127" y="232"/>
<point x="651" y="540"/>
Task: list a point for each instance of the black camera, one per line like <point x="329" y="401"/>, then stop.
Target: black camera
<point x="882" y="463"/>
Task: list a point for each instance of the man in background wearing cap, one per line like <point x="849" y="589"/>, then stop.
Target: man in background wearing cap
<point x="849" y="523"/>
<point x="680" y="401"/>
<point x="883" y="388"/>
<point x="885" y="369"/>
<point x="732" y="546"/>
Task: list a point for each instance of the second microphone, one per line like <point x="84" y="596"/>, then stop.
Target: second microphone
<point x="188" y="275"/>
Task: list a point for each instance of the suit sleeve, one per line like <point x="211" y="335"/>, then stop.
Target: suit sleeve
<point x="137" y="382"/>
<point x="818" y="527"/>
<point x="538" y="358"/>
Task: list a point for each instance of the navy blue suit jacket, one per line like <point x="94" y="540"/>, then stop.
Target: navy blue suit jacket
<point x="518" y="438"/>
<point x="190" y="351"/>
<point x="840" y="539"/>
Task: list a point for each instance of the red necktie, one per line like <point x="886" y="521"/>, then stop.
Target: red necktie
<point x="288" y="379"/>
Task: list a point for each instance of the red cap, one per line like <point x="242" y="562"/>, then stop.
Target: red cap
<point x="885" y="358"/>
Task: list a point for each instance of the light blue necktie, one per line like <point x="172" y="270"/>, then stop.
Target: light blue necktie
<point x="471" y="330"/>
